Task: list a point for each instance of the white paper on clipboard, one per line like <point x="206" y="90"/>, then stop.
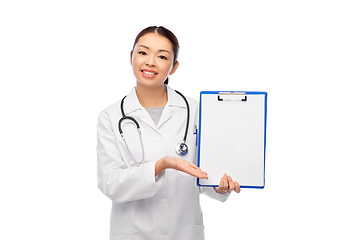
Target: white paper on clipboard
<point x="232" y="137"/>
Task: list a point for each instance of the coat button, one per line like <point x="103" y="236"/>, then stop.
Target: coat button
<point x="164" y="233"/>
<point x="163" y="201"/>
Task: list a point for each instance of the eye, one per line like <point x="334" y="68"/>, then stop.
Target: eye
<point x="162" y="57"/>
<point x="142" y="53"/>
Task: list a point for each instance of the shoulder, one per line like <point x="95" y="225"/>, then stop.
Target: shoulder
<point x="177" y="99"/>
<point x="192" y="102"/>
<point x="110" y="116"/>
<point x="114" y="107"/>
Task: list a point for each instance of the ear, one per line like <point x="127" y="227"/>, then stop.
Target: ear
<point x="174" y="68"/>
<point x="131" y="52"/>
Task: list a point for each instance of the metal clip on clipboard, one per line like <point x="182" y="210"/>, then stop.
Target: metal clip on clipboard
<point x="232" y="96"/>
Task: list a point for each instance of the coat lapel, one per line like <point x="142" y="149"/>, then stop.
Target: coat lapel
<point x="174" y="101"/>
<point x="132" y="107"/>
<point x="166" y="115"/>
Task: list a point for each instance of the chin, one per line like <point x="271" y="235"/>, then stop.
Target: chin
<point x="149" y="83"/>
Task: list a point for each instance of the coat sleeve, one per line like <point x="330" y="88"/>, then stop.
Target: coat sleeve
<point x="117" y="180"/>
<point x="212" y="193"/>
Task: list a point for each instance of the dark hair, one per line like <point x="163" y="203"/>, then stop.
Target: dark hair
<point x="165" y="33"/>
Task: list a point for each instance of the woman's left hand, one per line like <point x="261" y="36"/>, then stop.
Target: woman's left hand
<point x="227" y="185"/>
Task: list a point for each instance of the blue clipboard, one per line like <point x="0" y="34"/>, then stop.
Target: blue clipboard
<point x="232" y="137"/>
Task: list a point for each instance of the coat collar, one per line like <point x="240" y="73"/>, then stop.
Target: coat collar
<point x="132" y="103"/>
<point x="133" y="107"/>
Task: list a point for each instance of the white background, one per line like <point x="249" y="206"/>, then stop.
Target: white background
<point x="62" y="62"/>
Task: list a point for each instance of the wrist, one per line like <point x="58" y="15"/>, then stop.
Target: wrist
<point x="160" y="166"/>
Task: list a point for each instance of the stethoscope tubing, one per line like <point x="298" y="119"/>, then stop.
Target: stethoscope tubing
<point x="181" y="148"/>
<point x="130" y="118"/>
<point x="188" y="115"/>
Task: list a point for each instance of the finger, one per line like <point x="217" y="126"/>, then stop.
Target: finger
<point x="231" y="184"/>
<point x="189" y="168"/>
<point x="194" y="166"/>
<point x="237" y="187"/>
<point x="199" y="174"/>
<point x="225" y="183"/>
<point x="199" y="170"/>
<point x="219" y="189"/>
<point x="204" y="175"/>
<point x="222" y="183"/>
<point x="223" y="187"/>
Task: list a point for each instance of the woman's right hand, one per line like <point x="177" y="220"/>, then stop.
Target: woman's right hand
<point x="180" y="165"/>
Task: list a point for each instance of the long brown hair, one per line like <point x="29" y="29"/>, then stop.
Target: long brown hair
<point x="165" y="33"/>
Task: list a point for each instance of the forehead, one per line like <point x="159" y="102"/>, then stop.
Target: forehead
<point x="155" y="42"/>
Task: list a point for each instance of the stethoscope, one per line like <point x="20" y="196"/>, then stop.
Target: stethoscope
<point x="181" y="148"/>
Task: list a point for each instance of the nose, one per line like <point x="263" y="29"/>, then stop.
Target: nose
<point x="150" y="61"/>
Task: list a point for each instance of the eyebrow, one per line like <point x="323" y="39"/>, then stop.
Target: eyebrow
<point x="161" y="50"/>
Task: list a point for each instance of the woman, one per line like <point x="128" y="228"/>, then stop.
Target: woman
<point x="153" y="189"/>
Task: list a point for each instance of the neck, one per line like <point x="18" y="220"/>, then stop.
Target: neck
<point x="151" y="97"/>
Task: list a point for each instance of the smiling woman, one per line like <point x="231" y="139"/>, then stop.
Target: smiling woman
<point x="151" y="177"/>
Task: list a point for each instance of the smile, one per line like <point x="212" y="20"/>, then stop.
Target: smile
<point x="148" y="73"/>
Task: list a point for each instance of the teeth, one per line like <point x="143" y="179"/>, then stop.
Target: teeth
<point x="149" y="73"/>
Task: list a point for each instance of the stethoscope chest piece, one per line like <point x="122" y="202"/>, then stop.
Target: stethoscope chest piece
<point x="181" y="149"/>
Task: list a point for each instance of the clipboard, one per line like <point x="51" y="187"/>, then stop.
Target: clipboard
<point x="232" y="137"/>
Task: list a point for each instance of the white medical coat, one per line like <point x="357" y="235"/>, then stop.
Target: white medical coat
<point x="145" y="206"/>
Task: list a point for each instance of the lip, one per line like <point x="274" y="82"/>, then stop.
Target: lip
<point x="153" y="73"/>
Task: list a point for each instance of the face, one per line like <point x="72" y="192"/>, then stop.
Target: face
<point x="152" y="60"/>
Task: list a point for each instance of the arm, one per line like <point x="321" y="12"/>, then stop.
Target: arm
<point x="180" y="165"/>
<point x="212" y="193"/>
<point x="123" y="183"/>
<point x="119" y="182"/>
